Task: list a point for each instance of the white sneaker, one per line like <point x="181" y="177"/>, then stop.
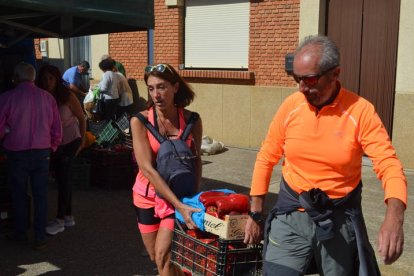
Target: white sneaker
<point x="55" y="227"/>
<point x="69" y="221"/>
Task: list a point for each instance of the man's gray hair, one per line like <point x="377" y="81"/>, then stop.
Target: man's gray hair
<point x="331" y="55"/>
<point x="24" y="72"/>
<point x="106" y="57"/>
<point x="85" y="64"/>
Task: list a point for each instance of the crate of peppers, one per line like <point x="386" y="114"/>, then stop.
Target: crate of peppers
<point x="226" y="214"/>
<point x="219" y="249"/>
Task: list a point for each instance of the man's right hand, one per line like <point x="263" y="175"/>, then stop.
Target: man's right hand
<point x="253" y="232"/>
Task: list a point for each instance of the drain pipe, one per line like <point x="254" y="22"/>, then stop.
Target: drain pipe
<point x="150" y="46"/>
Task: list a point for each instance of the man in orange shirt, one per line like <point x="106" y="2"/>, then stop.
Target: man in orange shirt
<point x="323" y="131"/>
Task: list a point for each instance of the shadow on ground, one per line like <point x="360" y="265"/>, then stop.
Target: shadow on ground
<point x="105" y="240"/>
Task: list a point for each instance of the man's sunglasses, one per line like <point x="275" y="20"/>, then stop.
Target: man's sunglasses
<point x="311" y="79"/>
<point x="159" y="67"/>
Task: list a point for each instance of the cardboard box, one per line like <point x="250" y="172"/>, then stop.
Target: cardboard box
<point x="231" y="228"/>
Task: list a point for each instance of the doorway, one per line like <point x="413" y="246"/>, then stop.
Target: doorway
<point x="367" y="34"/>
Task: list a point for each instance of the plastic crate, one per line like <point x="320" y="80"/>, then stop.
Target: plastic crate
<point x="80" y="176"/>
<point x="217" y="257"/>
<point x="123" y="123"/>
<point x="111" y="159"/>
<point x="108" y="134"/>
<point x="112" y="179"/>
<point x="112" y="170"/>
<point x="127" y="141"/>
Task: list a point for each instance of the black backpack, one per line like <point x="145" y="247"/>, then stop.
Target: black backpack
<point x="175" y="161"/>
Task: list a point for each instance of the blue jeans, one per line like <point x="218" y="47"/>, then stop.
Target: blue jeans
<point x="24" y="167"/>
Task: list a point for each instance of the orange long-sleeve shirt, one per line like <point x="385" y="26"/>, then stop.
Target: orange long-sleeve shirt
<point x="324" y="149"/>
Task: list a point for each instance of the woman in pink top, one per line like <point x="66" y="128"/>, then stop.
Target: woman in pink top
<point x="169" y="94"/>
<point x="74" y="129"/>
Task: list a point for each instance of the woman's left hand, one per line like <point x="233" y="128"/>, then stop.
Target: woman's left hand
<point x="186" y="211"/>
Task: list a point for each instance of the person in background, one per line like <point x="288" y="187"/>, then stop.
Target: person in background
<point x="169" y="94"/>
<point x="118" y="67"/>
<point x="73" y="78"/>
<point x="125" y="95"/>
<point x="109" y="87"/>
<point x="323" y="130"/>
<point x="74" y="129"/>
<point x="31" y="117"/>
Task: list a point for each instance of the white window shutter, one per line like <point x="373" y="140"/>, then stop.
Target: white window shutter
<point x="217" y="34"/>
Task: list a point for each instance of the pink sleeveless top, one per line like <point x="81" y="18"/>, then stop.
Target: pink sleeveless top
<point x="70" y="125"/>
<point x="141" y="181"/>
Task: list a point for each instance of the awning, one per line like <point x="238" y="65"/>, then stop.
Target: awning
<point x="69" y="18"/>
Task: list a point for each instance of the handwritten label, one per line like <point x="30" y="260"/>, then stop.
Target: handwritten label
<point x="237" y="233"/>
<point x="213" y="225"/>
<point x="230" y="228"/>
<point x="233" y="223"/>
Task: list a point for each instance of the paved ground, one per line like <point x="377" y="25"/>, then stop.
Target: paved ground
<point x="105" y="240"/>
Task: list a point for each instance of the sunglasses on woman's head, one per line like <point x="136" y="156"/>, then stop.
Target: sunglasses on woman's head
<point x="159" y="67"/>
<point x="311" y="79"/>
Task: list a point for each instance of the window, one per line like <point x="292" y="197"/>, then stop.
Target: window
<point x="217" y="34"/>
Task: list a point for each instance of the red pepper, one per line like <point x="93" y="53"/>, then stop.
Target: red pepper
<point x="206" y="240"/>
<point x="196" y="233"/>
<point x="211" y="263"/>
<point x="191" y="233"/>
<point x="208" y="194"/>
<point x="212" y="210"/>
<point x="117" y="147"/>
<point x="234" y="213"/>
<point x="234" y="202"/>
<point x="212" y="201"/>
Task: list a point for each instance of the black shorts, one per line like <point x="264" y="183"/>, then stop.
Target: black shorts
<point x="146" y="216"/>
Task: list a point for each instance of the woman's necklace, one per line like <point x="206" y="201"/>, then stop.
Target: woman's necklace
<point x="167" y="134"/>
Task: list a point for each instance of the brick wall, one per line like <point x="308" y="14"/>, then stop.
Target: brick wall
<point x="168" y="34"/>
<point x="274" y="32"/>
<point x="37" y="47"/>
<point x="39" y="61"/>
<point x="131" y="50"/>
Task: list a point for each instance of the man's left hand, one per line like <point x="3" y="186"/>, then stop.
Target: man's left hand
<point x="391" y="235"/>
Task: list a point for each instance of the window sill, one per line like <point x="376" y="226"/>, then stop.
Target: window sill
<point x="217" y="74"/>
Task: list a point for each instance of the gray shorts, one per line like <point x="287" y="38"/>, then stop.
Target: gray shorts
<point x="293" y="244"/>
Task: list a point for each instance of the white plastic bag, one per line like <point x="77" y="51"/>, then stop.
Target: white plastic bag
<point x="210" y="146"/>
<point x="88" y="97"/>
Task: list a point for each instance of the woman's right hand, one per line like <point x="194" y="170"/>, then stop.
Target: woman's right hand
<point x="186" y="211"/>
